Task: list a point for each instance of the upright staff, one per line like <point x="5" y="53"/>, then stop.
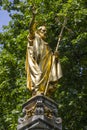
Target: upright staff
<point x="59" y="39"/>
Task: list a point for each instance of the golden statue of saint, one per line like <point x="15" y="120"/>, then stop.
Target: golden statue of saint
<point x="42" y="65"/>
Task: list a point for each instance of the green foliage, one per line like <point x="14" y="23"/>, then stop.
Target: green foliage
<point x="71" y="93"/>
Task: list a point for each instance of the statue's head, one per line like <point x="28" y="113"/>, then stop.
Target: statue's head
<point x="42" y="31"/>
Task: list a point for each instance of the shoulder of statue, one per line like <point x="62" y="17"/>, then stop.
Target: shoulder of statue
<point x="30" y="38"/>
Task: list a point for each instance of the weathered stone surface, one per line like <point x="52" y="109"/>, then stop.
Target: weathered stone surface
<point x="40" y="113"/>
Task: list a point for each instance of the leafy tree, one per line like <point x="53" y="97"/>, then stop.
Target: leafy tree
<point x="71" y="92"/>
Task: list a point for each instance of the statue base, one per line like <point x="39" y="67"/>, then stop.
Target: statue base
<point x="40" y="112"/>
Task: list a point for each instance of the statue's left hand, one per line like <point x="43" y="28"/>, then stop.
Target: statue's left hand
<point x="56" y="54"/>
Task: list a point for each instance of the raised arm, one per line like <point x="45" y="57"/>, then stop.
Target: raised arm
<point x="32" y="24"/>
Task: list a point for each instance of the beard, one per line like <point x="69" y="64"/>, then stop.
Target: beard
<point x="43" y="35"/>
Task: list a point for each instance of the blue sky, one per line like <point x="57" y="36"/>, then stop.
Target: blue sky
<point x="4" y="18"/>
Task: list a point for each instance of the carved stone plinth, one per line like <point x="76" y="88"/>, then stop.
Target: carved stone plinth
<point x="40" y="113"/>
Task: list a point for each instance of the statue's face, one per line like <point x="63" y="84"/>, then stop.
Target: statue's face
<point x="42" y="32"/>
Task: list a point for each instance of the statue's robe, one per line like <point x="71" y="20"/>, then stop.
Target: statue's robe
<point x="41" y="65"/>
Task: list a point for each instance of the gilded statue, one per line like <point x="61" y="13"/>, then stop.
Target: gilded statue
<point x="42" y="65"/>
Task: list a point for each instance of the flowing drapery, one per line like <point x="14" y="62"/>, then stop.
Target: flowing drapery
<point x="41" y="65"/>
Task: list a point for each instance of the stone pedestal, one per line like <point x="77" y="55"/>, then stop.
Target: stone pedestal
<point x="40" y="113"/>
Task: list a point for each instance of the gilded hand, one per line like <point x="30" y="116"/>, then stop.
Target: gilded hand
<point x="34" y="11"/>
<point x="56" y="54"/>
